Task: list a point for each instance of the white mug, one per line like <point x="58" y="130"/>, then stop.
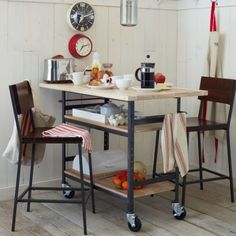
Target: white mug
<point x="77" y="77"/>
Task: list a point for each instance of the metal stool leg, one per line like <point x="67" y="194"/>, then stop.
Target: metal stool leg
<point x="16" y="189"/>
<point x="91" y="182"/>
<point x="82" y="189"/>
<point x="184" y="189"/>
<point x="31" y="175"/>
<point x="230" y="167"/>
<point x="200" y="160"/>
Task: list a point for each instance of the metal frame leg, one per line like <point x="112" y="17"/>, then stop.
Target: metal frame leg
<point x="230" y="166"/>
<point x="176" y="184"/>
<point x="184" y="190"/>
<point x="31" y="175"/>
<point x="63" y="98"/>
<point x="82" y="189"/>
<point x="200" y="160"/>
<point x="16" y="189"/>
<point x="155" y="155"/>
<point x="130" y="161"/>
<point x="184" y="179"/>
<point x="91" y="182"/>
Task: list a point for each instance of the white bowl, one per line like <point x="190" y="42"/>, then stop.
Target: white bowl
<point x="123" y="83"/>
<point x="115" y="77"/>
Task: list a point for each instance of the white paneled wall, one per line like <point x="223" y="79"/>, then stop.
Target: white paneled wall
<point x="31" y="31"/>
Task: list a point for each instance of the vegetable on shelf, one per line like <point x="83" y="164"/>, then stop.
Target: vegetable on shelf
<point x="120" y="179"/>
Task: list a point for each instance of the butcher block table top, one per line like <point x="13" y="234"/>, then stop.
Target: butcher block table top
<point x="125" y="95"/>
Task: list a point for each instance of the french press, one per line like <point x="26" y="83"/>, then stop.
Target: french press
<point x="147" y="75"/>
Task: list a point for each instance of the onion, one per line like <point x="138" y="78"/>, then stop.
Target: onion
<point x="139" y="167"/>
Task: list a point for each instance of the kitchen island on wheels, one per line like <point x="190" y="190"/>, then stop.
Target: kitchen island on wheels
<point x="153" y="184"/>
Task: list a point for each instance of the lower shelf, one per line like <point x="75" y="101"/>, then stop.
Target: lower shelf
<point x="104" y="181"/>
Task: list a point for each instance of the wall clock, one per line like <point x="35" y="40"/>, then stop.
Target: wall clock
<point x="80" y="16"/>
<point x="80" y="46"/>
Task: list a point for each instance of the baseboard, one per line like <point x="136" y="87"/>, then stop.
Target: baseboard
<point x="8" y="192"/>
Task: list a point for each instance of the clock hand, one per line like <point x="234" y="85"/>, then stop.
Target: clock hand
<point x="85" y="45"/>
<point x="89" y="14"/>
<point x="83" y="16"/>
<point x="79" y="17"/>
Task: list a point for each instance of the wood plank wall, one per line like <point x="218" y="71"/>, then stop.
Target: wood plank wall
<point x="31" y="31"/>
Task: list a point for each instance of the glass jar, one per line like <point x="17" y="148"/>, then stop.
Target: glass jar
<point x="107" y="68"/>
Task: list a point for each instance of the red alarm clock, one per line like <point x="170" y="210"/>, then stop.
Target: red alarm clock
<point x="80" y="46"/>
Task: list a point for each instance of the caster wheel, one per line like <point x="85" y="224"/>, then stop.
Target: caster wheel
<point x="181" y="216"/>
<point x="137" y="227"/>
<point x="68" y="193"/>
<point x="179" y="211"/>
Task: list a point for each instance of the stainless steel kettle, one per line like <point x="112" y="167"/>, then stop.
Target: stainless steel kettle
<point x="57" y="70"/>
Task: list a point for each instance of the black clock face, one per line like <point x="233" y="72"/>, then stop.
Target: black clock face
<point x="82" y="16"/>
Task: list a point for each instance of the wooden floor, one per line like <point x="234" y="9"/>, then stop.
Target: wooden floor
<point x="209" y="212"/>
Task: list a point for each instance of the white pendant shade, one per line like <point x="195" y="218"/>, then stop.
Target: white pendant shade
<point x="128" y="12"/>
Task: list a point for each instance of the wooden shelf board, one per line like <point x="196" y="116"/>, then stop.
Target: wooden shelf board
<point x="76" y="174"/>
<point x="121" y="128"/>
<point x="104" y="181"/>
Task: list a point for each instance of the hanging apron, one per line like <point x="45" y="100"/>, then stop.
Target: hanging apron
<point x="213" y="111"/>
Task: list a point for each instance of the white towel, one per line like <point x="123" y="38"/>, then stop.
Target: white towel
<point x="174" y="143"/>
<point x="65" y="130"/>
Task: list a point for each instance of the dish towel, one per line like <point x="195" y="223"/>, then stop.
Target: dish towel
<point x="65" y="130"/>
<point x="174" y="143"/>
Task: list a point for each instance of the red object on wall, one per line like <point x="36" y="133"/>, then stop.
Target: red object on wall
<point x="80" y="46"/>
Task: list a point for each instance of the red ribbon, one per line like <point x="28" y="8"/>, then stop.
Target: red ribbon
<point x="213" y="17"/>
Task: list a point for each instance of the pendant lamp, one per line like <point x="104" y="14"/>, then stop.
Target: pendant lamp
<point x="128" y="12"/>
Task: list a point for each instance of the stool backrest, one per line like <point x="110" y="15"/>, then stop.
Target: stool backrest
<point x="220" y="90"/>
<point x="22" y="102"/>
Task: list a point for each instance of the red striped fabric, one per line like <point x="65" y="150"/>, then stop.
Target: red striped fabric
<point x="174" y="143"/>
<point x="66" y="130"/>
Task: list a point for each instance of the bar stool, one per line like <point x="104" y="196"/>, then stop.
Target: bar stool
<point x="22" y="102"/>
<point x="220" y="90"/>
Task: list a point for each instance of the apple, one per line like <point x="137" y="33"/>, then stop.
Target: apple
<point x="159" y="78"/>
